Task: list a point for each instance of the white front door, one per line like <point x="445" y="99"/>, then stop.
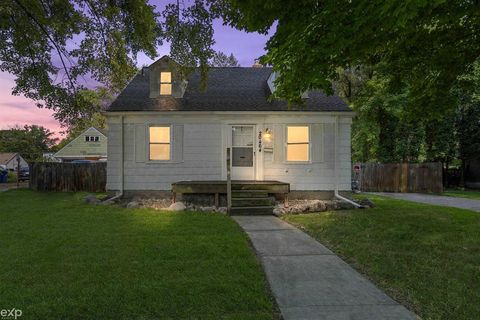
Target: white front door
<point x="243" y="152"/>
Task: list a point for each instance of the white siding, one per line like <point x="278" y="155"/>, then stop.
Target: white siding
<point x="203" y="151"/>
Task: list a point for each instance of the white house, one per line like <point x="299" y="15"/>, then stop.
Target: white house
<point x="164" y="130"/>
<point x="9" y="160"/>
<point x="89" y="145"/>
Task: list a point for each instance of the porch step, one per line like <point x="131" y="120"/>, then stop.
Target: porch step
<point x="249" y="194"/>
<point x="251" y="202"/>
<point x="268" y="187"/>
<point x="251" y="211"/>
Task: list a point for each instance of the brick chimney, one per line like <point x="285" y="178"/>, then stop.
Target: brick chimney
<point x="257" y="64"/>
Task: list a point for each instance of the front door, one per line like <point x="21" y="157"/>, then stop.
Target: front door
<point x="243" y="152"/>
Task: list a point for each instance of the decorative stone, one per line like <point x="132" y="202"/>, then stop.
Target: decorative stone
<point x="133" y="204"/>
<point x="92" y="199"/>
<point x="107" y="202"/>
<point x="177" y="206"/>
<point x="222" y="210"/>
<point x="367" y="203"/>
<point x="207" y="209"/>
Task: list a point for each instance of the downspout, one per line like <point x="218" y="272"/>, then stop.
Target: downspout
<point x="120" y="193"/>
<point x="335" y="170"/>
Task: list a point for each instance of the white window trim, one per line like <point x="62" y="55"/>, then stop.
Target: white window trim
<point x="285" y="143"/>
<point x="147" y="134"/>
<point x="170" y="83"/>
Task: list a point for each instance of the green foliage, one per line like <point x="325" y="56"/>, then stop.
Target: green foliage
<point x="425" y="45"/>
<point x="220" y="59"/>
<point x="189" y="30"/>
<point x="50" y="47"/>
<point x="30" y="141"/>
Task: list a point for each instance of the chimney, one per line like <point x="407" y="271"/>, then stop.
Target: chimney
<point x="257" y="64"/>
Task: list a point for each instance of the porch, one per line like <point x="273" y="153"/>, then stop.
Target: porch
<point x="248" y="197"/>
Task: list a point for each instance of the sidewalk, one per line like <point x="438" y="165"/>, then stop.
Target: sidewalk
<point x="309" y="281"/>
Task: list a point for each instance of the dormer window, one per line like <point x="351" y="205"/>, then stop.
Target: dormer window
<point x="165" y="83"/>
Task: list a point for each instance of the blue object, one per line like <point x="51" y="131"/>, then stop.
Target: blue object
<point x="3" y="176"/>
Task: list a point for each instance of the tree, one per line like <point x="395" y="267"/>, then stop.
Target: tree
<point x="220" y="59"/>
<point x="38" y="45"/>
<point x="425" y="45"/>
<point x="30" y="141"/>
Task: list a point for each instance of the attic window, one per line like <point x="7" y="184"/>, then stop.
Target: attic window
<point x="92" y="138"/>
<point x="165" y="83"/>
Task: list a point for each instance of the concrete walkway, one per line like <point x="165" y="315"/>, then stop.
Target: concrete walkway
<point x="462" y="203"/>
<point x="309" y="281"/>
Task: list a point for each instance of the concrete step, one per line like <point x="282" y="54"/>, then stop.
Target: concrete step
<point x="251" y="211"/>
<point x="251" y="202"/>
<point x="249" y="194"/>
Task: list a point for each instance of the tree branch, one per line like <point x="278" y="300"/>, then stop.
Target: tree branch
<point x="59" y="51"/>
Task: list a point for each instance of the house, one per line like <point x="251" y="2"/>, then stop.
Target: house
<point x="9" y="160"/>
<point x="89" y="145"/>
<point x="167" y="134"/>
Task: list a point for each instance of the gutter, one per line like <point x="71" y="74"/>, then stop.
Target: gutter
<point x="335" y="193"/>
<point x="120" y="193"/>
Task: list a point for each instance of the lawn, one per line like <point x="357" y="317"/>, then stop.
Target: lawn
<point x="469" y="194"/>
<point x="426" y="257"/>
<point x="61" y="258"/>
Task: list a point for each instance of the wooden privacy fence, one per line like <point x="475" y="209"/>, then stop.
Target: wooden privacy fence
<point x="400" y="177"/>
<point x="51" y="176"/>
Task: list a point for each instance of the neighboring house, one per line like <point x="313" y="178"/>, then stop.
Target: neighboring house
<point x="89" y="145"/>
<point x="9" y="160"/>
<point x="163" y="129"/>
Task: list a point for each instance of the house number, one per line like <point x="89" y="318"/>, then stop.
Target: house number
<point x="260" y="141"/>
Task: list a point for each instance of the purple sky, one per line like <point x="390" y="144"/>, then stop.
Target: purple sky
<point x="19" y="110"/>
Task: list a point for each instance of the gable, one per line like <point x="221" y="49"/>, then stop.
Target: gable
<point x="79" y="147"/>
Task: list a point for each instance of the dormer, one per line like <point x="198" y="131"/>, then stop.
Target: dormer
<point x="271" y="84"/>
<point x="165" y="79"/>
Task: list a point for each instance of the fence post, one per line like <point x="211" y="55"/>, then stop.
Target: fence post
<point x="229" y="183"/>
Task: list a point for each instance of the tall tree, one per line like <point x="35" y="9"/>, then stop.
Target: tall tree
<point x="425" y="44"/>
<point x="220" y="59"/>
<point x="30" y="141"/>
<point x="51" y="46"/>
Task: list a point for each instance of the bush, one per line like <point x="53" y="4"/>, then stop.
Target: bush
<point x="12" y="176"/>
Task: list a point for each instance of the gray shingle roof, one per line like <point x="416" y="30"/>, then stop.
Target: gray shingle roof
<point x="228" y="89"/>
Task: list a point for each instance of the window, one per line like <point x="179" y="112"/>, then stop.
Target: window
<point x="165" y="83"/>
<point x="159" y="143"/>
<point x="298" y="143"/>
<point x="92" y="139"/>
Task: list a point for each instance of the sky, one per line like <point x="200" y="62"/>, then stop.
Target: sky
<point x="18" y="110"/>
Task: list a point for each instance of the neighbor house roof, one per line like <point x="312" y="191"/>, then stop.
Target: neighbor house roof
<point x="6" y="157"/>
<point x="228" y="89"/>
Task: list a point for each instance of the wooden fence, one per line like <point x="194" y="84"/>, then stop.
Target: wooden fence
<point x="51" y="176"/>
<point x="400" y="177"/>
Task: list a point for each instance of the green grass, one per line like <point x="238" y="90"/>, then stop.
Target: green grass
<point x="62" y="259"/>
<point x="426" y="257"/>
<point x="469" y="194"/>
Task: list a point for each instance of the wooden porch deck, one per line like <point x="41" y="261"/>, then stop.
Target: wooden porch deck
<point x="218" y="187"/>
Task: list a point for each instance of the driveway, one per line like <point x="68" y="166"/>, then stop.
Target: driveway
<point x="309" y="281"/>
<point x="462" y="203"/>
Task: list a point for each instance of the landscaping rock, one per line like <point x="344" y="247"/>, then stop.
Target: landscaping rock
<point x="133" y="205"/>
<point x="367" y="203"/>
<point x="207" y="209"/>
<point x="92" y="199"/>
<point x="222" y="210"/>
<point x="177" y="206"/>
<point x="107" y="202"/>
